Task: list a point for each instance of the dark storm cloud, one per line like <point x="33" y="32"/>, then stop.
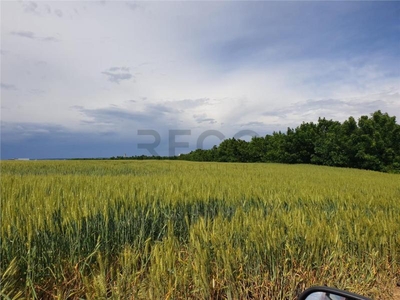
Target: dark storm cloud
<point x="73" y="145"/>
<point x="17" y="131"/>
<point x="27" y="131"/>
<point x="39" y="141"/>
<point x="107" y="132"/>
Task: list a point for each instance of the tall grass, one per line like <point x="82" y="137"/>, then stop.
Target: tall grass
<point x="180" y="230"/>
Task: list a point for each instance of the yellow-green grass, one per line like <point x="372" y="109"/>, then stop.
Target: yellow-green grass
<point x="181" y="230"/>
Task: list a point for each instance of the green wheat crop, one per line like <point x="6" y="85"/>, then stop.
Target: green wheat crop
<point x="185" y="230"/>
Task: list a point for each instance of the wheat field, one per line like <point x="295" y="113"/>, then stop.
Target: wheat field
<point x="187" y="230"/>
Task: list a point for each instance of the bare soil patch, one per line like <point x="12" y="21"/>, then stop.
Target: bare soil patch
<point x="396" y="293"/>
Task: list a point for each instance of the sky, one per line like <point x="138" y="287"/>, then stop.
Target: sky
<point x="108" y="78"/>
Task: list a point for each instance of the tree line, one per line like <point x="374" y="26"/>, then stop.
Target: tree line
<point x="372" y="143"/>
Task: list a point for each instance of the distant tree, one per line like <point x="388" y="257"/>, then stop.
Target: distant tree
<point x="328" y="144"/>
<point x="300" y="144"/>
<point x="276" y="147"/>
<point x="371" y="143"/>
<point x="258" y="148"/>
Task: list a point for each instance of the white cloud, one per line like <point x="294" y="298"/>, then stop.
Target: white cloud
<point x="174" y="55"/>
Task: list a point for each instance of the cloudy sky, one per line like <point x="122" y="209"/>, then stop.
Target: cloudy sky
<point x="82" y="78"/>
